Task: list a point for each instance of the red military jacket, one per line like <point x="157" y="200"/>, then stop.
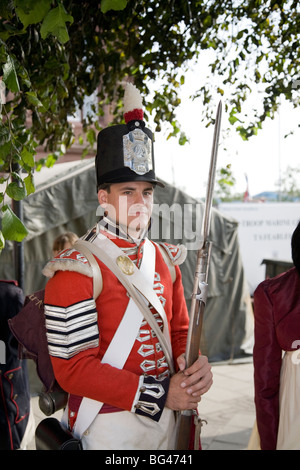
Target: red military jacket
<point x="79" y="331"/>
<point x="277" y="327"/>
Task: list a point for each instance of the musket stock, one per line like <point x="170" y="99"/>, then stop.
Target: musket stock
<point x="199" y="295"/>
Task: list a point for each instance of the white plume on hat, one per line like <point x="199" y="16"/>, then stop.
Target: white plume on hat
<point x="132" y="98"/>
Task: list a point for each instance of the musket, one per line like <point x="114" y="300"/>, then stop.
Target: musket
<point x="199" y="296"/>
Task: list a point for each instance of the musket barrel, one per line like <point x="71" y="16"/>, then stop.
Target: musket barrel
<point x="200" y="287"/>
<point x="211" y="175"/>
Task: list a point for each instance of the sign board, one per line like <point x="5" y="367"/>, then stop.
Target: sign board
<point x="265" y="231"/>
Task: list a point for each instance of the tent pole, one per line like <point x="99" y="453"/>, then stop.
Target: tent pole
<point x="19" y="248"/>
<point x="17" y="208"/>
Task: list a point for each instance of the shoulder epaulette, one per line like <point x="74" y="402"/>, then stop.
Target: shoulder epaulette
<point x="176" y="253"/>
<point x="68" y="260"/>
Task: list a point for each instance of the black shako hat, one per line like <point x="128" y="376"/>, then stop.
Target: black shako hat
<point x="125" y="151"/>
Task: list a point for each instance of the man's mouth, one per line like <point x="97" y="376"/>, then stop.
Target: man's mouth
<point x="138" y="211"/>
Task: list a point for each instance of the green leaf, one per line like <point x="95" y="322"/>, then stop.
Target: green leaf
<point x="2" y="241"/>
<point x="27" y="157"/>
<point x="10" y="76"/>
<point x="183" y="139"/>
<point x="33" y="99"/>
<point x="232" y="119"/>
<point x="29" y="184"/>
<point x="16" y="191"/>
<point x="12" y="227"/>
<point x="91" y="136"/>
<point x="207" y="21"/>
<point x="107" y="5"/>
<point x="51" y="160"/>
<point x="55" y="23"/>
<point x="31" y="11"/>
<point x="5" y="149"/>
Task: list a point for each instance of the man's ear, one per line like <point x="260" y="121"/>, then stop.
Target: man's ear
<point x="102" y="197"/>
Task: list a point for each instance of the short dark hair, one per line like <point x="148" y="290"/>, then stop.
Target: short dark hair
<point x="105" y="186"/>
<point x="296" y="247"/>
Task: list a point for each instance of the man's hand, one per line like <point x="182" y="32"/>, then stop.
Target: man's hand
<point x="187" y="386"/>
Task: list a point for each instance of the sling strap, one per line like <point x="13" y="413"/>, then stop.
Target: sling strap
<point x="97" y="276"/>
<point x="137" y="286"/>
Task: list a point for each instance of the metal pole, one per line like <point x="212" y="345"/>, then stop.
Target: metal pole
<point x="17" y="208"/>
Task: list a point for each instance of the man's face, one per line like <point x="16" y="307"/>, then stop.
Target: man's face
<point x="130" y="204"/>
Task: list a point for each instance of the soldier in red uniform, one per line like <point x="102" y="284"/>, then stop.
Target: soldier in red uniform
<point x="136" y="399"/>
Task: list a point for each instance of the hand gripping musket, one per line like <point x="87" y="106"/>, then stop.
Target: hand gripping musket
<point x="199" y="296"/>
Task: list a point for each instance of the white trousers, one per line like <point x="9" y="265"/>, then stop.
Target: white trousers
<point x="289" y="403"/>
<point x="125" y="430"/>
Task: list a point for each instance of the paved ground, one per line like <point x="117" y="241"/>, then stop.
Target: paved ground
<point x="228" y="408"/>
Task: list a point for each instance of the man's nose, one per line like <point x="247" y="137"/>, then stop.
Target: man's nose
<point x="139" y="198"/>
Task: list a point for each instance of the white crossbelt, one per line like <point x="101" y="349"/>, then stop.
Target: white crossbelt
<point x="139" y="285"/>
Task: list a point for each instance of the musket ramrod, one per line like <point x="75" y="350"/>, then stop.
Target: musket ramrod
<point x="199" y="296"/>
